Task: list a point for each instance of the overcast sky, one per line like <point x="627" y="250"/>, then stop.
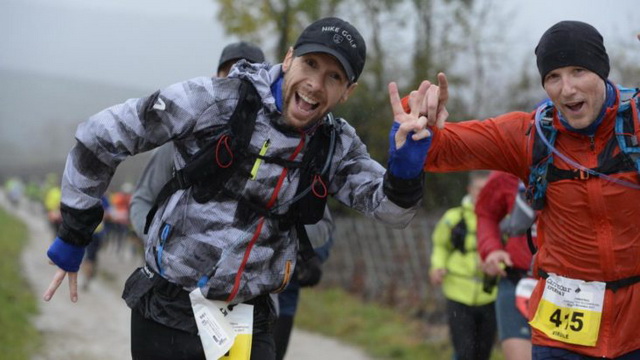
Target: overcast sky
<point x="153" y="43"/>
<point x="140" y="43"/>
<point x="139" y="46"/>
<point x="618" y="23"/>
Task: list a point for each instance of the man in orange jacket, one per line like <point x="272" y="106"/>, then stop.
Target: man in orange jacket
<point x="585" y="183"/>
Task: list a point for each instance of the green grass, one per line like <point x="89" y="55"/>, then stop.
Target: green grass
<point x="18" y="338"/>
<point x="381" y="332"/>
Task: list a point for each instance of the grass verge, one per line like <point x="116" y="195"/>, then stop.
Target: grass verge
<point x="18" y="338"/>
<point x="382" y="332"/>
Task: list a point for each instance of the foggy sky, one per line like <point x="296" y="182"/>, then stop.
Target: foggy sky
<point x="138" y="43"/>
<point x="153" y="43"/>
<point x="134" y="47"/>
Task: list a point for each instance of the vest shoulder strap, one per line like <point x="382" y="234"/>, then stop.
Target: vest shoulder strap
<point x="541" y="156"/>
<point x="627" y="127"/>
<point x="203" y="170"/>
<point x="312" y="190"/>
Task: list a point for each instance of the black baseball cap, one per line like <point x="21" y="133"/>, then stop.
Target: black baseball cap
<point x="241" y="50"/>
<point x="335" y="37"/>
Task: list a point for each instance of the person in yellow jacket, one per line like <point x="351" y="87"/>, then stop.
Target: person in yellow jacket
<point x="52" y="198"/>
<point x="456" y="266"/>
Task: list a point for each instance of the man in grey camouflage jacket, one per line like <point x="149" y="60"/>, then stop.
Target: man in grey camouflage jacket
<point x="229" y="250"/>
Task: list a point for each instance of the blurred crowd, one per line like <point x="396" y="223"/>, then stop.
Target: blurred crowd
<point x="42" y="196"/>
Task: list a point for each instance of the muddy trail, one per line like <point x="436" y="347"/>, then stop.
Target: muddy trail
<point x="97" y="326"/>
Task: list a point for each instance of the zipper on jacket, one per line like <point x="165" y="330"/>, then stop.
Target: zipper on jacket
<point x="256" y="234"/>
<point x="592" y="143"/>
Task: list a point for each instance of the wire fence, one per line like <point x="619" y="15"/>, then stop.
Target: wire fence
<point x="385" y="265"/>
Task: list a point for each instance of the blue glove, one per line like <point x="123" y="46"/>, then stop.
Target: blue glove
<point x="408" y="161"/>
<point x="67" y="256"/>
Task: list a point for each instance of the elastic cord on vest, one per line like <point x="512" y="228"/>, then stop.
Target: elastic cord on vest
<point x="571" y="162"/>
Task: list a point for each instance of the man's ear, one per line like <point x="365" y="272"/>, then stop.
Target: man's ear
<point x="288" y="58"/>
<point x="347" y="93"/>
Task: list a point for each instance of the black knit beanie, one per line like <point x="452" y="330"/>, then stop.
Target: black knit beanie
<point x="572" y="43"/>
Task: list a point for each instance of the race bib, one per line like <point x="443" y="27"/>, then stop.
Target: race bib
<point x="241" y="320"/>
<point x="570" y="310"/>
<point x="224" y="333"/>
<point x="523" y="294"/>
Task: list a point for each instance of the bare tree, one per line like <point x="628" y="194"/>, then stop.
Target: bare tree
<point x="259" y="21"/>
<point x="430" y="36"/>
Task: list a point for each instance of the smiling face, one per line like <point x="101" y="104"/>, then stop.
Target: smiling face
<point x="313" y="84"/>
<point x="578" y="93"/>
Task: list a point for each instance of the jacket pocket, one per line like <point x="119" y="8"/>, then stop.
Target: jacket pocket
<point x="139" y="283"/>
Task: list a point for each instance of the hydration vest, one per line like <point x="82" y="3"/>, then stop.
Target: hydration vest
<point x="543" y="171"/>
<point x="459" y="233"/>
<point x="210" y="168"/>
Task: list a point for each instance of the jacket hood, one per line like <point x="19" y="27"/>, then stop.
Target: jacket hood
<point x="261" y="75"/>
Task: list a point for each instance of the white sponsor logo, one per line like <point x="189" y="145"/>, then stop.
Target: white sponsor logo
<point x="159" y="105"/>
<point x="340" y="35"/>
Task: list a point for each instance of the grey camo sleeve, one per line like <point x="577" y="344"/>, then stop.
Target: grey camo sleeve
<point x="359" y="183"/>
<point x="110" y="136"/>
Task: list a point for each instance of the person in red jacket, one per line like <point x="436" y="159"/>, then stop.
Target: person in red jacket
<point x="586" y="303"/>
<point x="503" y="219"/>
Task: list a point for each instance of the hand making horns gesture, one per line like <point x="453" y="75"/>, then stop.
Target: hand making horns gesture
<point x="411" y="121"/>
<point x="427" y="106"/>
<point x="435" y="102"/>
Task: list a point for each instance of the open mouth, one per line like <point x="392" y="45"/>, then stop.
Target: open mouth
<point x="575" y="106"/>
<point x="305" y="103"/>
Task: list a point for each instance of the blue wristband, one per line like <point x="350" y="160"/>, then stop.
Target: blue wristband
<point x="67" y="256"/>
<point x="408" y="161"/>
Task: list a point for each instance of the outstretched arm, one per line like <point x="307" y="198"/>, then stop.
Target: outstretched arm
<point x="104" y="141"/>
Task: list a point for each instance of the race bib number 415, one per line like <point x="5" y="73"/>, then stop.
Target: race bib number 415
<point x="570" y="310"/>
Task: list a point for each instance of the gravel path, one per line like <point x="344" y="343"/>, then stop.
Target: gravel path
<point x="97" y="326"/>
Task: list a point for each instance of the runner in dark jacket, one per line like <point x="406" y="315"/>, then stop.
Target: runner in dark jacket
<point x="233" y="247"/>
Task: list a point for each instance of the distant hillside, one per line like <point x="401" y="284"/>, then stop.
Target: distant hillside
<point x="39" y="115"/>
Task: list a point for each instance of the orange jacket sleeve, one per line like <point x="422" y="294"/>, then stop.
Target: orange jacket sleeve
<point x="499" y="143"/>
